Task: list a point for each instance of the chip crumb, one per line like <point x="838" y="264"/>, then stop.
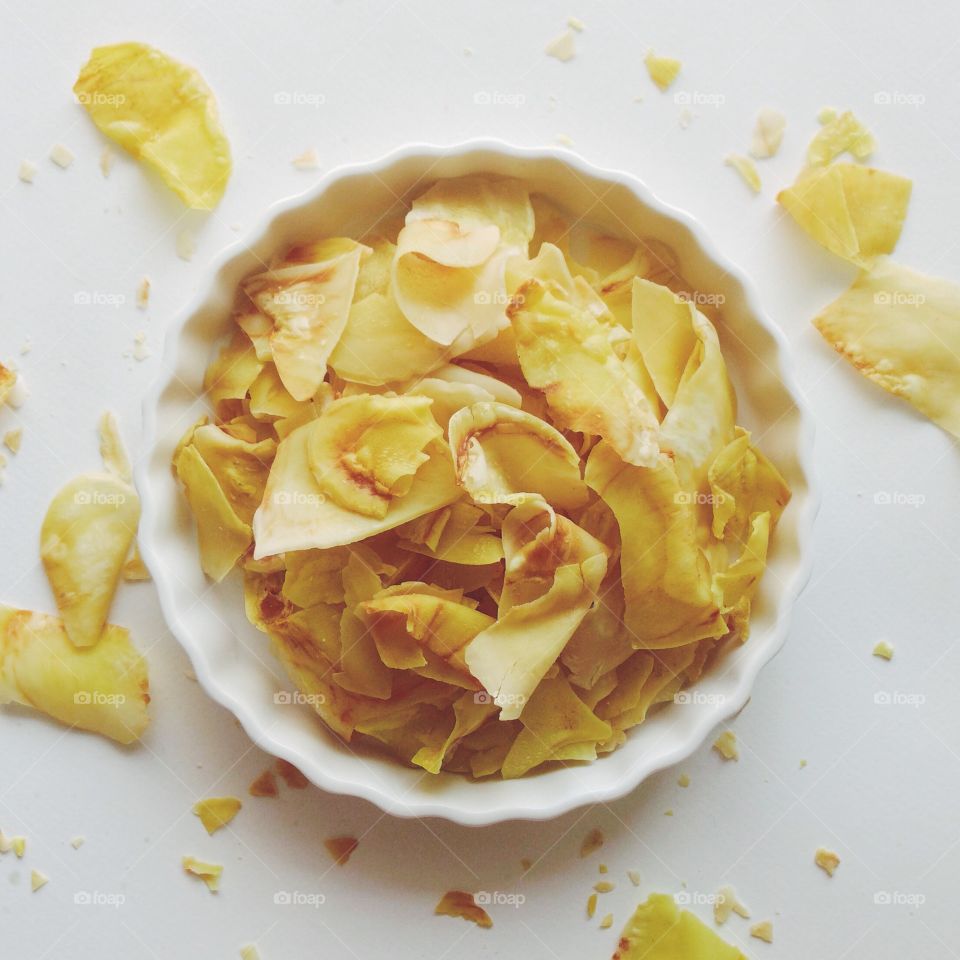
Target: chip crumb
<point x="8" y="381"/>
<point x="249" y="952"/>
<point x="26" y="347"/>
<point x="341" y="848"/>
<point x="216" y="812"/>
<point x="143" y="293"/>
<point x="685" y="118"/>
<point x="591" y="906"/>
<point x="19" y="846"/>
<point x="264" y="786"/>
<point x="27" y="171"/>
<point x="726" y="745"/>
<point x="592" y="842"/>
<point x="140" y="349"/>
<point x="803" y="763"/>
<point x="78" y="842"/>
<point x="601" y="868"/>
<point x="107" y="156"/>
<point x="683" y="780"/>
<point x="668" y="813"/>
<point x="607" y="922"/>
<point x="291" y="775"/>
<point x="459" y="903"/>
<point x="826" y="115"/>
<point x="767" y="133"/>
<point x="113" y="453"/>
<point x="209" y="873"/>
<point x="308" y="160"/>
<point x="634" y="876"/>
<point x="562" y="48"/>
<point x="727" y="903"/>
<point x="134" y="569"/>
<point x="663" y="70"/>
<point x="38" y="879"/>
<point x="762" y="931"/>
<point x="603" y="886"/>
<point x="826" y="860"/>
<point x="186" y="244"/>
<point x="841" y="134"/>
<point x="884" y="650"/>
<point x="746" y="168"/>
<point x="13" y="438"/>
<point x="62" y="156"/>
<point x="575" y="23"/>
<point x="526" y="863"/>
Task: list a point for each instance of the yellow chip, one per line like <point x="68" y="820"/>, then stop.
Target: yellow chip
<point x="161" y="112"/>
<point x="663" y="70"/>
<point x="746" y="169"/>
<point x="216" y="812"/>
<point x="458" y="903"/>
<point x="840" y="134"/>
<point x="209" y="873"/>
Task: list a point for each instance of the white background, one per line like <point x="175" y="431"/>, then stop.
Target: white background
<point x="882" y="780"/>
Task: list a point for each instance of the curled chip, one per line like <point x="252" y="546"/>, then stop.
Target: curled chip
<point x="489" y="500"/>
<point x="84" y="542"/>
<point x="103" y="688"/>
<point x="209" y="873"/>
<point x="746" y="169"/>
<point x="216" y="812"/>
<point x="458" y="903"/>
<point x="855" y="212"/>
<point x="901" y="330"/>
<point x="658" y="930"/>
<point x="161" y="112"/>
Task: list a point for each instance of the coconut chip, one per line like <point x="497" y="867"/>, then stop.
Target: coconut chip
<point x="562" y="48"/>
<point x="762" y="931"/>
<point x="727" y="903"/>
<point x="458" y="903"/>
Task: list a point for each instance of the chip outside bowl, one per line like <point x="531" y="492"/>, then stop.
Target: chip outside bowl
<point x="232" y="660"/>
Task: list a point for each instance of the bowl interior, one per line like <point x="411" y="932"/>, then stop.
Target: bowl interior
<point x="232" y="659"/>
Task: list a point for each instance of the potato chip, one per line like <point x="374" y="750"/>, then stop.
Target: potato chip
<point x="453" y="387"/>
<point x="162" y="112"/>
<point x="112" y="450"/>
<point x="84" y="541"/>
<point x="502" y="455"/>
<point x="663" y="70"/>
<point x="767" y="133"/>
<point x="840" y="134"/>
<point x="457" y="903"/>
<point x="901" y="329"/>
<point x="461" y="539"/>
<point x="762" y="931"/>
<point x="826" y="860"/>
<point x="308" y="297"/>
<point x="746" y="169"/>
<point x="725" y="904"/>
<point x="103" y="688"/>
<point x="230" y="376"/>
<point x="341" y="848"/>
<point x="470" y="713"/>
<point x="726" y="745"/>
<point x="209" y="873"/>
<point x="658" y="930"/>
<point x="566" y="352"/>
<point x="855" y="212"/>
<point x="216" y="812"/>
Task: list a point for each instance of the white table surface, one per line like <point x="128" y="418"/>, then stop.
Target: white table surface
<point x="881" y="782"/>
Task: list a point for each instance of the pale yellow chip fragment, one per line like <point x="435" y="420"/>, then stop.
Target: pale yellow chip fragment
<point x="840" y="134"/>
<point x="341" y="848"/>
<point x="562" y="47"/>
<point x="591" y="905"/>
<point x="826" y="860"/>
<point x="683" y="780"/>
<point x="746" y="168"/>
<point x="19" y="845"/>
<point x="249" y="952"/>
<point x="113" y="453"/>
<point x="62" y="156"/>
<point x="209" y="873"/>
<point x="762" y="931"/>
<point x="767" y="133"/>
<point x="901" y="329"/>
<point x="607" y="922"/>
<point x="459" y="903"/>
<point x="727" y="903"/>
<point x="12" y="439"/>
<point x="78" y="842"/>
<point x="634" y="877"/>
<point x="726" y="745"/>
<point x="143" y="293"/>
<point x="663" y="70"/>
<point x="37" y="880"/>
<point x="883" y="649"/>
<point x="592" y="842"/>
<point x="308" y="160"/>
<point x="216" y="812"/>
<point x="8" y="381"/>
<point x="27" y="171"/>
<point x="84" y="541"/>
<point x="603" y="886"/>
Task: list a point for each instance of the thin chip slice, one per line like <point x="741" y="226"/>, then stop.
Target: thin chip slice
<point x="341" y="848"/>
<point x="38" y="879"/>
<point x="901" y="330"/>
<point x="840" y="134"/>
<point x="84" y="541"/>
<point x="746" y="169"/>
<point x="459" y="903"/>
<point x="884" y="650"/>
<point x="265" y="785"/>
<point x="591" y="906"/>
<point x="855" y="212"/>
<point x="658" y="930"/>
<point x="663" y="70"/>
<point x="762" y="931"/>
<point x="103" y="688"/>
<point x="209" y="873"/>
<point x="727" y="903"/>
<point x="161" y="112"/>
<point x="562" y="47"/>
<point x="767" y="133"/>
<point x="112" y="449"/>
<point x="216" y="812"/>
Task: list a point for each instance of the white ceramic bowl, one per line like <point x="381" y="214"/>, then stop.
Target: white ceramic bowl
<point x="232" y="660"/>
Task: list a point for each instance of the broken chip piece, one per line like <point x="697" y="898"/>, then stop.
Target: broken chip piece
<point x="746" y="168"/>
<point x="209" y="873"/>
<point x="840" y="134"/>
<point x="264" y="786"/>
<point x="38" y="879"/>
<point x="458" y="903"/>
<point x="291" y="775"/>
<point x="84" y="541"/>
<point x="663" y="70"/>
<point x="161" y="112"/>
<point x="341" y="848"/>
<point x="592" y="842"/>
<point x="216" y="812"/>
<point x="762" y="931"/>
<point x="726" y="745"/>
<point x="102" y="688"/>
<point x="767" y="133"/>
<point x="826" y="860"/>
<point x="726" y="903"/>
<point x="884" y="650"/>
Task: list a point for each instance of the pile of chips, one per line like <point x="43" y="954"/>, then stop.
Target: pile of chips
<point x="482" y="475"/>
